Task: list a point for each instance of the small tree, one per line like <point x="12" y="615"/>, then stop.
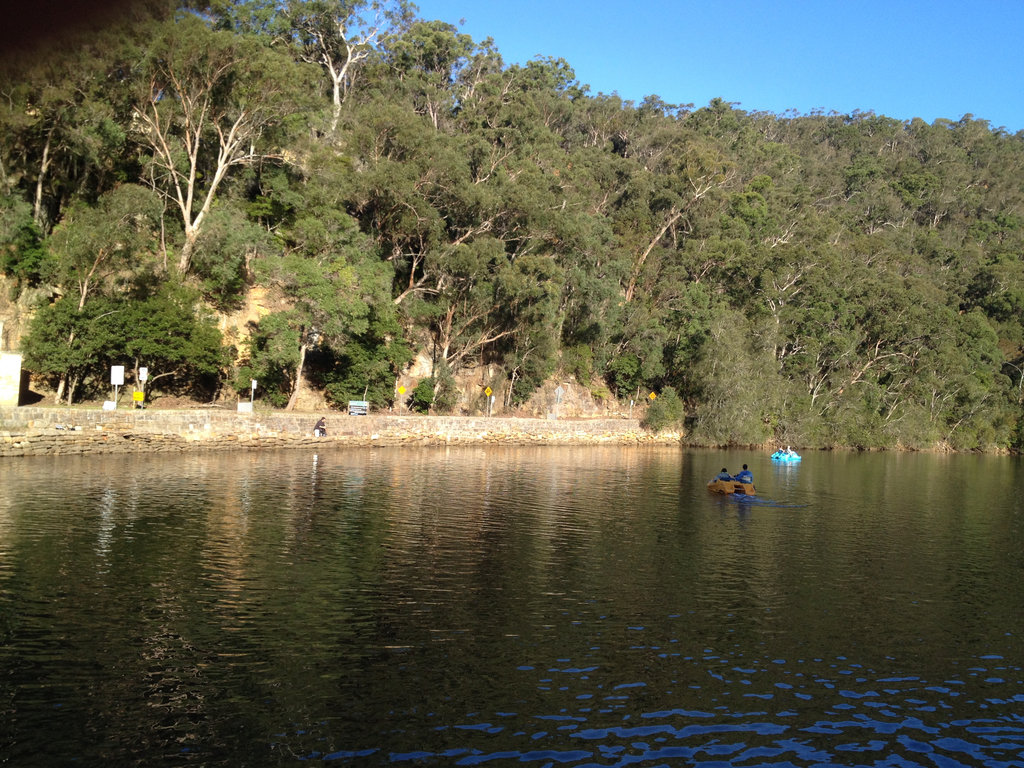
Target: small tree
<point x="446" y="393"/>
<point x="366" y="366"/>
<point x="665" y="412"/>
<point x="69" y="344"/>
<point x="165" y="333"/>
<point x="272" y="358"/>
<point x="422" y="396"/>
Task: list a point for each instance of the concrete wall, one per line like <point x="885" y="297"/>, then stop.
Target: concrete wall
<point x="10" y="377"/>
<point x="47" y="431"/>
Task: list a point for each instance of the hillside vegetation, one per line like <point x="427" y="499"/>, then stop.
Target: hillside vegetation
<point x="394" y="190"/>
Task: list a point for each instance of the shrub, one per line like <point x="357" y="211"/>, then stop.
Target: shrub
<point x="664" y="411"/>
<point x="422" y="396"/>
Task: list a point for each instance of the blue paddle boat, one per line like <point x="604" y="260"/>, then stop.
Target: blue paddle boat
<point x="787" y="455"/>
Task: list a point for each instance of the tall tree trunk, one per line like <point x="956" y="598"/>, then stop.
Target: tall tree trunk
<point x="44" y="167"/>
<point x="185" y="257"/>
<point x="337" y="96"/>
<point x="673" y="216"/>
<point x="298" y="378"/>
<point x="62" y="383"/>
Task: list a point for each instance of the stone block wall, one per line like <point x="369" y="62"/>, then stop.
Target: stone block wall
<point x="48" y="431"/>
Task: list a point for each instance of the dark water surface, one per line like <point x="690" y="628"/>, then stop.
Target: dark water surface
<point x="537" y="606"/>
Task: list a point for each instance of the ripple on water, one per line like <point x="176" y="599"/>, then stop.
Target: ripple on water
<point x="763" y="711"/>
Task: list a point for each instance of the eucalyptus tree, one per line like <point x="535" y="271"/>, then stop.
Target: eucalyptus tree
<point x="226" y="250"/>
<point x="96" y="249"/>
<point x="62" y="134"/>
<point x="740" y="391"/>
<point x="329" y="278"/>
<point x="341" y="35"/>
<point x="208" y="104"/>
<point x="664" y="193"/>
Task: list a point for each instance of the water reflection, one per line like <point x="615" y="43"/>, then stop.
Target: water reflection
<point x="541" y="606"/>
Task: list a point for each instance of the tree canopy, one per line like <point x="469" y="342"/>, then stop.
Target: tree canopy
<point x="397" y="189"/>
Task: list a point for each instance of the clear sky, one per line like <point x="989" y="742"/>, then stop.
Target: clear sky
<point x="901" y="58"/>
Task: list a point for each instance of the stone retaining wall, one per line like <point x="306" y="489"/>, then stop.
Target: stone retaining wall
<point x="30" y="431"/>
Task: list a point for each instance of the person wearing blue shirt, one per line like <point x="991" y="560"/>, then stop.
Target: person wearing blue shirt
<point x="723" y="475"/>
<point x="746" y="476"/>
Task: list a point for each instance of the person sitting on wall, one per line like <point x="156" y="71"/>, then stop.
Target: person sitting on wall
<point x="320" y="429"/>
<point x="723" y="475"/>
<point x="745" y="476"/>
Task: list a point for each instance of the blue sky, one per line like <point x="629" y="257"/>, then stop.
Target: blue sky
<point x="904" y="59"/>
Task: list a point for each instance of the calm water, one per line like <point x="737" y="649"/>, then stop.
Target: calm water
<point x="547" y="607"/>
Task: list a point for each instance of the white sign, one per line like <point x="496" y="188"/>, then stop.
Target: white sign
<point x="143" y="374"/>
<point x="117" y="375"/>
<point x="254" y="383"/>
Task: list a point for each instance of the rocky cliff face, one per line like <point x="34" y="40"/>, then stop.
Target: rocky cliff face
<point x="16" y="311"/>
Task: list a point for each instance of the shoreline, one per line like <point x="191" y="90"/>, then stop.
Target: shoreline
<point x="34" y="431"/>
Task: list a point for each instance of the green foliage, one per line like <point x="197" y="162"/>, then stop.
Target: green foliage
<point x="166" y="333"/>
<point x="386" y="181"/>
<point x="578" y="361"/>
<point x="228" y="242"/>
<point x="77" y="344"/>
<point x="666" y="411"/>
<point x="271" y="358"/>
<point x="437" y="393"/>
<point x="625" y="374"/>
<point x="366" y="367"/>
<point x="446" y="393"/>
<point x="422" y="396"/>
<point x="161" y="331"/>
<point x="22" y="253"/>
<point x="98" y="244"/>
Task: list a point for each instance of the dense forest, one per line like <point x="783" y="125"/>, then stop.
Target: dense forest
<point x="392" y="188"/>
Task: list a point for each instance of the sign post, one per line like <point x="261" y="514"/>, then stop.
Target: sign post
<point x="490" y="399"/>
<point x="244" y="407"/>
<point x="139" y="396"/>
<point x="116" y="381"/>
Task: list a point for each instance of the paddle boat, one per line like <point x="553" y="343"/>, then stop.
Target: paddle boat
<point x="732" y="486"/>
<point x="786" y="455"/>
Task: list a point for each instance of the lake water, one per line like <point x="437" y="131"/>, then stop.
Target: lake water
<point x="499" y="606"/>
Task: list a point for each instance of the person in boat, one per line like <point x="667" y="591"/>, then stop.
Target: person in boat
<point x="723" y="475"/>
<point x="745" y="476"/>
<point x="320" y="429"/>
